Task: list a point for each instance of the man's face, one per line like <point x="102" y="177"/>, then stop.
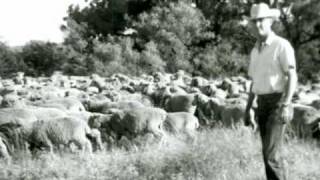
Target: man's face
<point x="262" y="26"/>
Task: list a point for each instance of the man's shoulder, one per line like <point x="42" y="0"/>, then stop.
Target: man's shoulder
<point x="282" y="41"/>
<point x="254" y="51"/>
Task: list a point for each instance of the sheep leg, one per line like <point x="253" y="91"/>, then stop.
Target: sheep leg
<point x="44" y="143"/>
<point x="95" y="133"/>
<point x="49" y="145"/>
<point x="157" y="130"/>
<point x="84" y="144"/>
<point x="191" y="135"/>
<point x="88" y="146"/>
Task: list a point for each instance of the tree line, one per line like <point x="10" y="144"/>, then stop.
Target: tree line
<point x="205" y="38"/>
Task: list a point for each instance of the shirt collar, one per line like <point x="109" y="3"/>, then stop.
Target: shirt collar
<point x="270" y="38"/>
<point x="268" y="41"/>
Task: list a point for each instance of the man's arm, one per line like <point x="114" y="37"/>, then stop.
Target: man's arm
<point x="247" y="118"/>
<point x="290" y="86"/>
<point x="286" y="111"/>
<point x="250" y="99"/>
<point x="288" y="65"/>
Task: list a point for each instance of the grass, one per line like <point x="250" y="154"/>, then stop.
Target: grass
<point x="218" y="154"/>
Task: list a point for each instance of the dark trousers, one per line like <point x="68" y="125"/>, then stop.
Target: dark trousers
<point x="272" y="133"/>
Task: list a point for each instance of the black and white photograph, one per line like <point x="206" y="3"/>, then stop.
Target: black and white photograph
<point x="159" y="90"/>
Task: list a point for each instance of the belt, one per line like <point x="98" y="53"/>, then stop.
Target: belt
<point x="263" y="96"/>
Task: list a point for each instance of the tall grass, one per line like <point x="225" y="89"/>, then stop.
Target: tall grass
<point x="218" y="154"/>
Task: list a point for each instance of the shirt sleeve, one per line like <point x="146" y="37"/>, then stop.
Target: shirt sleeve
<point x="287" y="57"/>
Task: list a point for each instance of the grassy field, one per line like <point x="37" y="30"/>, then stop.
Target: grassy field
<point x="218" y="154"/>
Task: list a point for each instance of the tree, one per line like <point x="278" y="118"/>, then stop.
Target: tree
<point x="88" y="31"/>
<point x="299" y="23"/>
<point x="106" y="17"/>
<point x="42" y="58"/>
<point x="212" y="38"/>
<point x="151" y="60"/>
<point x="174" y="27"/>
<point x="10" y="61"/>
<point x="220" y="60"/>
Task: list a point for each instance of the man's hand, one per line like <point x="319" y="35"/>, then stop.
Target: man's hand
<point x="248" y="119"/>
<point x="286" y="113"/>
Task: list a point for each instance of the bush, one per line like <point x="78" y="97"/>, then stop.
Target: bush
<point x="76" y="64"/>
<point x="308" y="62"/>
<point x="220" y="60"/>
<point x="115" y="56"/>
<point x="174" y="27"/>
<point x="42" y="58"/>
<point x="10" y="61"/>
<point x="150" y="59"/>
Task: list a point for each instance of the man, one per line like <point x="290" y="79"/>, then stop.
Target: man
<point x="273" y="72"/>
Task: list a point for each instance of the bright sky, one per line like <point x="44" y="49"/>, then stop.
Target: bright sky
<point x="25" y="20"/>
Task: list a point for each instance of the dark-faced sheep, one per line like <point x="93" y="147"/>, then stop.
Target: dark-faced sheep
<point x="181" y="103"/>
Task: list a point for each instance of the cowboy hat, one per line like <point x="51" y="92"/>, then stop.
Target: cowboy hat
<point x="262" y="10"/>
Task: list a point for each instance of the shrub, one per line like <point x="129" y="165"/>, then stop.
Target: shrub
<point x="10" y="61"/>
<point x="42" y="58"/>
<point x="220" y="60"/>
<point x="150" y="59"/>
<point x="174" y="27"/>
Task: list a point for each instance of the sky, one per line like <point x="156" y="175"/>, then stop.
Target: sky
<point x="25" y="20"/>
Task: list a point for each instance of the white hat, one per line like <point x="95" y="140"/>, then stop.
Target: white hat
<point x="262" y="10"/>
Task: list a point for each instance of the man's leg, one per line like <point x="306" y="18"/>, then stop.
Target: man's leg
<point x="272" y="140"/>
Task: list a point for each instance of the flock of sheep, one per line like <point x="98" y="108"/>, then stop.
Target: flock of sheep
<point x="94" y="113"/>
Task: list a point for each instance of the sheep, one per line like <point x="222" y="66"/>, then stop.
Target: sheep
<point x="65" y="104"/>
<point x="20" y="116"/>
<point x="12" y="139"/>
<point x="4" y="150"/>
<point x="106" y="106"/>
<point x="182" y="123"/>
<point x="59" y="131"/>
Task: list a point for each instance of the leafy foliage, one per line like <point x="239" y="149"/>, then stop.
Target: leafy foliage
<point x="209" y="38"/>
<point x="150" y="59"/>
<point x="221" y="60"/>
<point x="42" y="57"/>
<point x="175" y="27"/>
<point x="10" y="61"/>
